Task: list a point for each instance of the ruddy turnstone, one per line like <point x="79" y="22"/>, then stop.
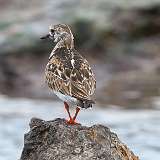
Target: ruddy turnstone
<point x="67" y="73"/>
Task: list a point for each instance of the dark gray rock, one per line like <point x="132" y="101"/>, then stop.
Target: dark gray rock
<point x="56" y="140"/>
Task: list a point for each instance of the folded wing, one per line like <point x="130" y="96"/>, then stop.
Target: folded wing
<point x="76" y="80"/>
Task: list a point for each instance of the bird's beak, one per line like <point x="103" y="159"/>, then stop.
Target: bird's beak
<point x="49" y="36"/>
<point x="46" y="36"/>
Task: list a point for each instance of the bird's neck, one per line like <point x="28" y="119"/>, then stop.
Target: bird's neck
<point x="66" y="42"/>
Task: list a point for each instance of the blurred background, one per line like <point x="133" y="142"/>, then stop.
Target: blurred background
<point x="120" y="39"/>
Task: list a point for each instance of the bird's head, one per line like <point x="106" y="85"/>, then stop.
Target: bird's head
<point x="61" y="33"/>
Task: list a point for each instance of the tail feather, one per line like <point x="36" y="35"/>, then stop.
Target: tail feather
<point x="86" y="103"/>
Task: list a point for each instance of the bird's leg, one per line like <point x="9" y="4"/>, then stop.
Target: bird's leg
<point x="77" y="110"/>
<point x="71" y="120"/>
<point x="67" y="109"/>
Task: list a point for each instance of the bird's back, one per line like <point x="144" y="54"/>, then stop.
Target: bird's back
<point x="69" y="73"/>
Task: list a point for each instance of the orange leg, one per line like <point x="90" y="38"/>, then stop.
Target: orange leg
<point x="67" y="109"/>
<point x="77" y="111"/>
<point x="71" y="120"/>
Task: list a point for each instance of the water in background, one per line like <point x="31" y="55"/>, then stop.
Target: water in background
<point x="139" y="129"/>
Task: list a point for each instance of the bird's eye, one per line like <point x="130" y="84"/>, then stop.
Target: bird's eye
<point x="52" y="30"/>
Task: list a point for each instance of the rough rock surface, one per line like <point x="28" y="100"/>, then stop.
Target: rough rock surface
<point x="56" y="140"/>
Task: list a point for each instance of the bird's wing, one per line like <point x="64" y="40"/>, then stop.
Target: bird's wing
<point x="75" y="79"/>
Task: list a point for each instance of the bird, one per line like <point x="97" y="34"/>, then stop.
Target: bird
<point x="67" y="73"/>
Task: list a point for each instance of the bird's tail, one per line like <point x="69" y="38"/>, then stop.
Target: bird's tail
<point x="86" y="103"/>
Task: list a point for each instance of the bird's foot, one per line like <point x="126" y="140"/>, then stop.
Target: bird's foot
<point x="71" y="121"/>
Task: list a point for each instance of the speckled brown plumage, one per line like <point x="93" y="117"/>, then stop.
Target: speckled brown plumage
<point x="67" y="73"/>
<point x="75" y="80"/>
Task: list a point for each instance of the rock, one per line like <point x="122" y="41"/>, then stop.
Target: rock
<point x="56" y="140"/>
